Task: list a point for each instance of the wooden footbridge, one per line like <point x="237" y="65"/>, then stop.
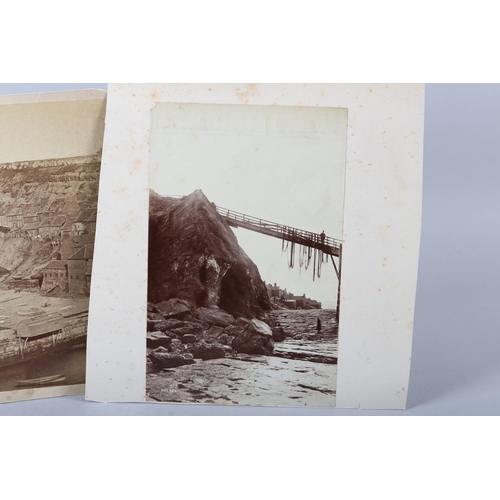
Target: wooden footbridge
<point x="327" y="245"/>
<point x="320" y="243"/>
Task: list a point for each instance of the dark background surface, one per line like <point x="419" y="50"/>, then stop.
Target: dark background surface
<point x="456" y="346"/>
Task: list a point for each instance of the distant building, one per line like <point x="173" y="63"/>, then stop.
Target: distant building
<point x="85" y="222"/>
<point x="15" y="219"/>
<point x="273" y="292"/>
<point x="43" y="215"/>
<point x="3" y="220"/>
<point x="55" y="274"/>
<point x="289" y="300"/>
<point x="304" y="302"/>
<point x="80" y="270"/>
<point x="69" y="226"/>
<point x="52" y="226"/>
<point x="31" y="229"/>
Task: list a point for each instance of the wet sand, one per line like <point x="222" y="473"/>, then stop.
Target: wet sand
<point x="247" y="380"/>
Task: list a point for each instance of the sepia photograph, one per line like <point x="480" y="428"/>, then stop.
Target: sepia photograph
<point x="48" y="212"/>
<point x="245" y="254"/>
<point x="50" y="162"/>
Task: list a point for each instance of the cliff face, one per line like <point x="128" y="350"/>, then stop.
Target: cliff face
<point x="194" y="255"/>
<point x="39" y="186"/>
<point x="32" y="193"/>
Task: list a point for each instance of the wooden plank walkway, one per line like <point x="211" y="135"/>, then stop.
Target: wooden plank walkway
<point x="330" y="246"/>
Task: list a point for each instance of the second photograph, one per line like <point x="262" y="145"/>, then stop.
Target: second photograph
<point x="245" y="254"/>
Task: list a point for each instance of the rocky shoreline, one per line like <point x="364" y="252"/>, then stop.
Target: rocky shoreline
<point x="208" y="356"/>
<point x="177" y="335"/>
<point x="212" y="333"/>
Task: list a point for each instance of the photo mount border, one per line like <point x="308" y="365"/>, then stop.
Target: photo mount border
<point x="382" y="220"/>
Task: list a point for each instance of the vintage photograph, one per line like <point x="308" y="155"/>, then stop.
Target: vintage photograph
<point x="48" y="212"/>
<point x="245" y="254"/>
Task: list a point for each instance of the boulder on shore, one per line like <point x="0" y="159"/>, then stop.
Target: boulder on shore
<point x="170" y="324"/>
<point x="173" y="308"/>
<point x="188" y="329"/>
<point x="153" y="325"/>
<point x="242" y="321"/>
<point x="155" y="316"/>
<point x="234" y="330"/>
<point x="157" y="339"/>
<point x="256" y="338"/>
<point x="203" y="350"/>
<point x="224" y="339"/>
<point x="176" y="346"/>
<point x="189" y="338"/>
<point x="163" y="359"/>
<point x="214" y="317"/>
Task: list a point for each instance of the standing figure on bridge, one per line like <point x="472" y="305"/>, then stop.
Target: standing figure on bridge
<point x="323" y="236"/>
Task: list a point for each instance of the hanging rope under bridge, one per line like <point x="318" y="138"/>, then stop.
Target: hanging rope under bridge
<point x="312" y="246"/>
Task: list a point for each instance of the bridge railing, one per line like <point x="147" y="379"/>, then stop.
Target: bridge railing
<point x="283" y="230"/>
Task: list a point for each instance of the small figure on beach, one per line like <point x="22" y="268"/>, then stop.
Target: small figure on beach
<point x="323" y="236"/>
<point x="318" y="325"/>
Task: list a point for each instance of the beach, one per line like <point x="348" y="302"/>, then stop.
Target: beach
<point x="301" y="372"/>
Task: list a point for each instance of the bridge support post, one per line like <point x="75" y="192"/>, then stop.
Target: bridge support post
<point x="337" y="312"/>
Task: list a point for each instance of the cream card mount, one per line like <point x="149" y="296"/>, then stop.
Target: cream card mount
<point x="375" y="136"/>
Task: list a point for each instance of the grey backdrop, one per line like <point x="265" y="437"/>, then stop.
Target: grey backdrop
<point x="456" y="342"/>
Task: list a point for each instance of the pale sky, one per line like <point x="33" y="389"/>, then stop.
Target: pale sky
<point x="283" y="164"/>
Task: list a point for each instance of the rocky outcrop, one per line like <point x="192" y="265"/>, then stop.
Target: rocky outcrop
<point x="195" y="256"/>
<point x="255" y="338"/>
<point x="206" y="335"/>
<point x="204" y="292"/>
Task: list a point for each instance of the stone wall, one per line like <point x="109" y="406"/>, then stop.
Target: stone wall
<point x="73" y="332"/>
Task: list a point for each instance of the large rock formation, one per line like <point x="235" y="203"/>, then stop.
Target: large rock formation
<point x="195" y="256"/>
